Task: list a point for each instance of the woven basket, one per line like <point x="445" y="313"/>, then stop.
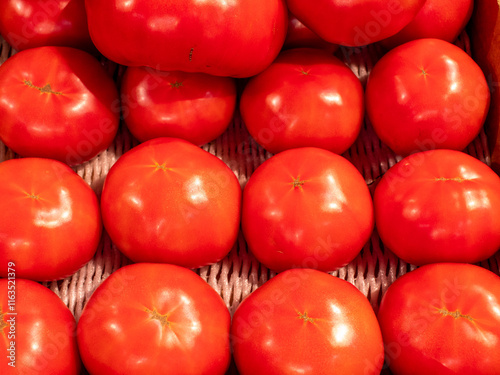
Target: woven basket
<point x="236" y="276"/>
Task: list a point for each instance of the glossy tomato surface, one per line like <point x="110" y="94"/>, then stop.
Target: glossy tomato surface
<point x="58" y="103"/>
<point x="299" y="35"/>
<point x="355" y="22"/>
<point x="427" y="94"/>
<point x="50" y="224"/>
<point x="306" y="322"/>
<point x="28" y="24"/>
<point x="38" y="330"/>
<point x="168" y="201"/>
<point x="441" y="19"/>
<point x="306" y="208"/>
<point x="196" y="107"/>
<point x="439" y="206"/>
<point x="443" y="319"/>
<point x="237" y="38"/>
<point x="305" y="98"/>
<point x="154" y="318"/>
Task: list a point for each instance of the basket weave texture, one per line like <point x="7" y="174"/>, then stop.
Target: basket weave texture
<point x="237" y="275"/>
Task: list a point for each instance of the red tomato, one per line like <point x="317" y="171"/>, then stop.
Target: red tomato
<point x="38" y="330"/>
<point x="439" y="206"/>
<point x="196" y="107"/>
<point x="238" y="38"/>
<point x="355" y="22"/>
<point x="168" y="201"/>
<point x="441" y="19"/>
<point x="306" y="322"/>
<point x="154" y="319"/>
<point x="427" y="94"/>
<point x="50" y="224"/>
<point x="305" y="98"/>
<point x="58" y="103"/>
<point x="27" y="24"/>
<point x="443" y="319"/>
<point x="306" y="208"/>
<point x="299" y="35"/>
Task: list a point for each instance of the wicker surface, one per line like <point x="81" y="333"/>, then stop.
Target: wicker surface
<point x="374" y="269"/>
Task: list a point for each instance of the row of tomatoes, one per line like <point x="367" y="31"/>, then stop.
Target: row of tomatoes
<point x="168" y="201"/>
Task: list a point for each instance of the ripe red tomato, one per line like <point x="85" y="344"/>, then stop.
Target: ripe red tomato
<point x="305" y="98"/>
<point x="196" y="107"/>
<point x="356" y="22"/>
<point x="57" y="102"/>
<point x="299" y="35"/>
<point x="27" y="24"/>
<point x="154" y="318"/>
<point x="50" y="224"/>
<point x="238" y="38"/>
<point x="439" y="206"/>
<point x="427" y="94"/>
<point x="443" y="319"/>
<point x="169" y="201"/>
<point x="441" y="19"/>
<point x="306" y="208"/>
<point x="38" y="330"/>
<point x="306" y="322"/>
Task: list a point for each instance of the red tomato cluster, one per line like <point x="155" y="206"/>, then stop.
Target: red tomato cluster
<point x="168" y="205"/>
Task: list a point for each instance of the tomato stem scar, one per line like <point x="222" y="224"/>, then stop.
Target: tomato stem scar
<point x="297" y="182"/>
<point x="159" y="166"/>
<point x="191" y="54"/>
<point x="458" y="179"/>
<point x="176" y="84"/>
<point x="32" y="196"/>
<point x="44" y="90"/>
<point x="423" y="72"/>
<point x="305" y="317"/>
<point x="155" y="315"/>
<point x="455" y="314"/>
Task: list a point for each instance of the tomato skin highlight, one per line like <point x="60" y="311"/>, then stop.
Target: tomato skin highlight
<point x="427" y="94"/>
<point x="304" y="321"/>
<point x="28" y="24"/>
<point x="306" y="98"/>
<point x="37" y="329"/>
<point x="50" y="224"/>
<point x="440" y="19"/>
<point x="196" y="107"/>
<point x="155" y="318"/>
<point x="306" y="208"/>
<point x="443" y="319"/>
<point x="238" y="38"/>
<point x="357" y="22"/>
<point x="57" y="103"/>
<point x="168" y="201"/>
<point x="446" y="202"/>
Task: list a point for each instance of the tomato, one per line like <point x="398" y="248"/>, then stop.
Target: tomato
<point x="355" y="22"/>
<point x="57" y="102"/>
<point x="27" y="24"/>
<point x="305" y="98"/>
<point x="50" y="224"/>
<point x="443" y="319"/>
<point x="439" y="206"/>
<point x="306" y="208"/>
<point x="168" y="201"/>
<point x="441" y="19"/>
<point x="154" y="318"/>
<point x="299" y="35"/>
<point x="427" y="94"/>
<point x="193" y="106"/>
<point x="38" y="330"/>
<point x="237" y="38"/>
<point x="306" y="322"/>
